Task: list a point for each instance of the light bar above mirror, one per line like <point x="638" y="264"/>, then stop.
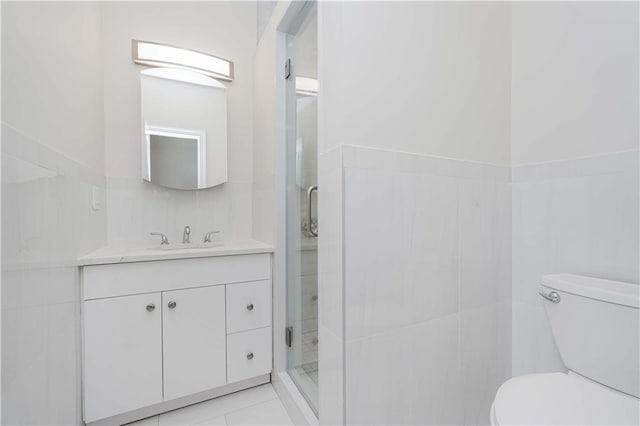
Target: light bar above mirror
<point x="162" y="55"/>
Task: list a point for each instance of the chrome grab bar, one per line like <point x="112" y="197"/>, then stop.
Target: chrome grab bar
<point x="553" y="297"/>
<point x="310" y="231"/>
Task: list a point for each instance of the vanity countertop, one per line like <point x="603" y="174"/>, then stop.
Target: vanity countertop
<point x="108" y="255"/>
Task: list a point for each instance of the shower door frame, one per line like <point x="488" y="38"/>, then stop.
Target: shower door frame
<point x="286" y="24"/>
<point x="294" y="233"/>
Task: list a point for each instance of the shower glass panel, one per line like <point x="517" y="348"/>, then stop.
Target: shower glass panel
<point x="302" y="204"/>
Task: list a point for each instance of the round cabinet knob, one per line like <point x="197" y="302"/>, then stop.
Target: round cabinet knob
<point x="250" y="307"/>
<point x="172" y="305"/>
<point x="151" y="307"/>
<point x="250" y="355"/>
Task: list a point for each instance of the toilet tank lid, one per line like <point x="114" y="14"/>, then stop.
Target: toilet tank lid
<point x="621" y="293"/>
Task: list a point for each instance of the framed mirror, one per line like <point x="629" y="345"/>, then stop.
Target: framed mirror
<point x="184" y="125"/>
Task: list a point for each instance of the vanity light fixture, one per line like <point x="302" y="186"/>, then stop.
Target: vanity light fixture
<point x="307" y="86"/>
<point x="163" y="55"/>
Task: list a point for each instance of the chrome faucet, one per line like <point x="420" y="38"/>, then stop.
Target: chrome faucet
<point x="186" y="234"/>
<point x="164" y="240"/>
<point x="207" y="236"/>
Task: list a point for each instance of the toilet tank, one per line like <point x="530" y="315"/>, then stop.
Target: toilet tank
<point x="596" y="326"/>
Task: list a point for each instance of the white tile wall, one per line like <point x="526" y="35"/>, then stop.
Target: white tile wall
<point x="402" y="254"/>
<point x="576" y="216"/>
<point x="47" y="220"/>
<point x="331" y="359"/>
<point x="409" y="375"/>
<point x="428" y="238"/>
<point x="485" y="342"/>
<point x="426" y="293"/>
<point x="331" y="401"/>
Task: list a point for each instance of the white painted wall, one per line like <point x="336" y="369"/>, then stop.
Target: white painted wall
<point x="574" y="86"/>
<point x="53" y="98"/>
<point x="225" y="29"/>
<point x="265" y="134"/>
<point x="265" y="10"/>
<point x="427" y="78"/>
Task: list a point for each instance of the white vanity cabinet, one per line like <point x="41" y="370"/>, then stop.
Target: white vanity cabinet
<point x="158" y="335"/>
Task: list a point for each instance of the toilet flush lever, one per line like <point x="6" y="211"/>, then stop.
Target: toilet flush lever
<point x="551" y="297"/>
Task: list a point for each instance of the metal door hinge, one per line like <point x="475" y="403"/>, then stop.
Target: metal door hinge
<point x="288" y="336"/>
<point x="287" y="68"/>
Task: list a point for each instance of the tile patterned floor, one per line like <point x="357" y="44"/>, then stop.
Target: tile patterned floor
<point x="255" y="406"/>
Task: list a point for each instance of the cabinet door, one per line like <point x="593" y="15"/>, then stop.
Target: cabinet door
<point x="194" y="340"/>
<point x="122" y="354"/>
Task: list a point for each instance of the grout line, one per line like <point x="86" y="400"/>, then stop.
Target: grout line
<point x="343" y="338"/>
<point x="226" y="338"/>
<point x="226" y="413"/>
<point x="162" y="343"/>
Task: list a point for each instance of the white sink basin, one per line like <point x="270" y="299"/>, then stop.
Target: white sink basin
<point x="171" y="247"/>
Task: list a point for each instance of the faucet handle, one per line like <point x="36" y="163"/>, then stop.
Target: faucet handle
<point x="186" y="235"/>
<point x="207" y="236"/>
<point x="164" y="240"/>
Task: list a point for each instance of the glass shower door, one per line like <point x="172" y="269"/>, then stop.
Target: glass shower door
<point x="302" y="204"/>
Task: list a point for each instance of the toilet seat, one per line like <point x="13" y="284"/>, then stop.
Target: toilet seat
<point x="557" y="398"/>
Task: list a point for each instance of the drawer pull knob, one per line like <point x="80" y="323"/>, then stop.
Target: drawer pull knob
<point x="250" y="355"/>
<point x="172" y="305"/>
<point x="250" y="307"/>
<point x="151" y="307"/>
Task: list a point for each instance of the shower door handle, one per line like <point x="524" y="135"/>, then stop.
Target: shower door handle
<point x="310" y="231"/>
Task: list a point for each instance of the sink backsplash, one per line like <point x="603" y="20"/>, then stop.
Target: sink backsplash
<point x="136" y="208"/>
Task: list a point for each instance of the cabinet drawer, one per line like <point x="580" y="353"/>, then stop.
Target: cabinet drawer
<point x="248" y="354"/>
<point x="248" y="306"/>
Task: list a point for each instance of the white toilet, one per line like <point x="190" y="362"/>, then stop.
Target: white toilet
<point x="596" y="326"/>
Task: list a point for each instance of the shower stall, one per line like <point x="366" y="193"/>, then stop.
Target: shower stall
<point x="301" y="205"/>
